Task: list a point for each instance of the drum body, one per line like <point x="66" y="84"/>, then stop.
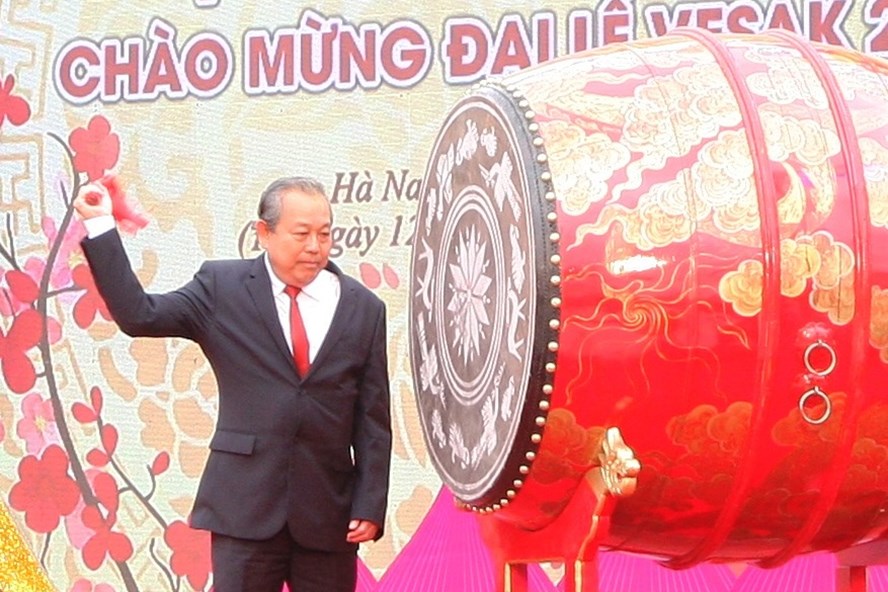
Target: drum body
<point x="685" y="238"/>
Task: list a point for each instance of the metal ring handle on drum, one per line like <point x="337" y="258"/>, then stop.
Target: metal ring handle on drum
<point x="810" y="393"/>
<point x="833" y="358"/>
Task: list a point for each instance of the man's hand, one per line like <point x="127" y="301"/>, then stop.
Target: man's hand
<point x="361" y="531"/>
<point x="93" y="200"/>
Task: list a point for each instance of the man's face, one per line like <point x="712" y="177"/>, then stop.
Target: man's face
<point x="299" y="246"/>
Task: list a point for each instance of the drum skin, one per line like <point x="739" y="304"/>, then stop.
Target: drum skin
<point x="685" y="238"/>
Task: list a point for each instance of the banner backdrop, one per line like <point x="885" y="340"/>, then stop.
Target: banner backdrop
<point x="197" y="105"/>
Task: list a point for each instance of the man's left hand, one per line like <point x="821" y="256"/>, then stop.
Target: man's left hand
<point x="361" y="531"/>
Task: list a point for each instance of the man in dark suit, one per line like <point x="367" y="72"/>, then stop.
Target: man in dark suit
<point x="298" y="470"/>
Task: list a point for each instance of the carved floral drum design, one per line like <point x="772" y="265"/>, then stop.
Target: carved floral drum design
<point x="684" y="238"/>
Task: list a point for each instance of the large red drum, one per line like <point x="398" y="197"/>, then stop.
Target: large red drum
<point x="684" y="238"/>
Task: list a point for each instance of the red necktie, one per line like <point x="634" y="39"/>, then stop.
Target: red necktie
<point x="297" y="333"/>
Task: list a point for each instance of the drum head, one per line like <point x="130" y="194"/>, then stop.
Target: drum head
<point x="484" y="280"/>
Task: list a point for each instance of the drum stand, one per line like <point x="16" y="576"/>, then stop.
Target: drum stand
<point x="574" y="536"/>
<point x="851" y="572"/>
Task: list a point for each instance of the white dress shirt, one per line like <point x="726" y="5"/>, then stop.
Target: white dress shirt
<point x="317" y="305"/>
<point x="317" y="301"/>
<point x="99" y="225"/>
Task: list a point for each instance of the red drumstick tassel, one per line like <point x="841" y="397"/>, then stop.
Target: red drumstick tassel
<point x="124" y="210"/>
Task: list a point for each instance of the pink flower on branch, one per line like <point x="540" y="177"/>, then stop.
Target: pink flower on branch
<point x="24" y="334"/>
<point x="38" y="425"/>
<point x="101" y="457"/>
<point x="89" y="413"/>
<point x="22" y="291"/>
<point x="78" y="533"/>
<point x="22" y="286"/>
<point x="90" y="302"/>
<point x="96" y="148"/>
<point x="45" y="491"/>
<point x="12" y="108"/>
<point x="161" y="464"/>
<point x="69" y="252"/>
<point x="191" y="553"/>
<point x="82" y="585"/>
<point x="105" y="542"/>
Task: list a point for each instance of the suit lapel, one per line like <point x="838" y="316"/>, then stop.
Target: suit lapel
<point x="259" y="287"/>
<point x="341" y="318"/>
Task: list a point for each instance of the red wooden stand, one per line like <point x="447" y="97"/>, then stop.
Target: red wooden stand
<point x="851" y="574"/>
<point x="573" y="538"/>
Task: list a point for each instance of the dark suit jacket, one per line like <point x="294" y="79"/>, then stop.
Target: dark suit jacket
<point x="312" y="453"/>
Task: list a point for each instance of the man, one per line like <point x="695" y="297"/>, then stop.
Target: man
<point x="298" y="470"/>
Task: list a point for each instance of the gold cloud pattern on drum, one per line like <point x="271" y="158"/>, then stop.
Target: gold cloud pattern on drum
<point x="659" y="228"/>
<point x="833" y="281"/>
<point x="706" y="431"/>
<point x="572" y="76"/>
<point x="869" y="471"/>
<point x="665" y="117"/>
<point x="785" y="79"/>
<point x="861" y="83"/>
<point x="714" y="442"/>
<point x="669" y="53"/>
<point x="569" y="449"/>
<point x="724" y="189"/>
<point x="874" y="426"/>
<point x="797" y="262"/>
<point x="837" y="303"/>
<point x="742" y="288"/>
<point x="819" y="257"/>
<point x="879" y="322"/>
<point x="809" y="146"/>
<point x="580" y="105"/>
<point x="561" y="137"/>
<point x="807" y="139"/>
<point x="875" y="165"/>
<point x="581" y="164"/>
<point x="651" y="122"/>
<point x="868" y="468"/>
<point x="610" y="64"/>
<point x="669" y="115"/>
<point x="649" y="225"/>
<point x="724" y="199"/>
<point x="710" y="94"/>
<point x="717" y="193"/>
<point x="792" y="430"/>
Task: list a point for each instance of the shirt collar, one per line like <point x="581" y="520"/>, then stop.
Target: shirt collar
<point x="314" y="290"/>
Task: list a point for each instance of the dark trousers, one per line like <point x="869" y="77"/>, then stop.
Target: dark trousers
<point x="241" y="565"/>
